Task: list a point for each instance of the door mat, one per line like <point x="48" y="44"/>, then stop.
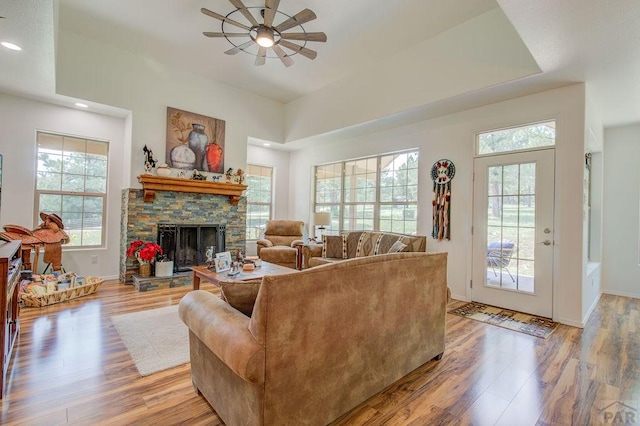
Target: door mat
<point x="505" y="318"/>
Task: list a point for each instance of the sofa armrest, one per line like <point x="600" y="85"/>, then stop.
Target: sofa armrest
<point x="264" y="243"/>
<point x="309" y="251"/>
<point x="296" y="243"/>
<point x="225" y="331"/>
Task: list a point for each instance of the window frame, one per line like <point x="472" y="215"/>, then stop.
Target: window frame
<point x="340" y="205"/>
<point x="269" y="204"/>
<point x="69" y="193"/>
<point x="521" y="126"/>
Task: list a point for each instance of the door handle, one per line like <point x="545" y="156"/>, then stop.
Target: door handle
<point x="545" y="242"/>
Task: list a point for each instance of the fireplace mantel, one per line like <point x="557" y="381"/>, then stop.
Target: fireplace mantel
<point x="152" y="183"/>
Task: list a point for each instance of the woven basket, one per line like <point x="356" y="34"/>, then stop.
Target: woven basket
<point x="39" y="301"/>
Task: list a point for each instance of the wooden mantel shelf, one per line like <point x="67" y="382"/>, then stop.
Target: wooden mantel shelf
<point x="152" y="183"/>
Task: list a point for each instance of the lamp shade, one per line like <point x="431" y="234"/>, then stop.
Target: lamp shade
<point x="322" y="218"/>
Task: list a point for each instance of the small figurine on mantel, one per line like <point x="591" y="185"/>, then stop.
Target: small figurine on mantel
<point x="215" y="178"/>
<point x="240" y="176"/>
<point x="229" y="174"/>
<point x="196" y="175"/>
<point x="149" y="161"/>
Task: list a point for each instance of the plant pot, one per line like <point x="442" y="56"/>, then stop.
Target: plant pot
<point x="144" y="270"/>
<point x="164" y="269"/>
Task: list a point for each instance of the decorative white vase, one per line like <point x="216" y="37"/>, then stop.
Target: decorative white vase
<point x="163" y="170"/>
<point x="164" y="269"/>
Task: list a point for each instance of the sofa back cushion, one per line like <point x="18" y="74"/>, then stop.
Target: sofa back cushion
<point x="352" y="244"/>
<point x="397" y="247"/>
<point x="241" y="294"/>
<point x="379" y="313"/>
<point x="368" y="244"/>
<point x="352" y="239"/>
<point x="334" y="246"/>
<point x="283" y="232"/>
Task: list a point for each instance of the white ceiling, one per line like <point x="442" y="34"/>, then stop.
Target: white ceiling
<point x="572" y="41"/>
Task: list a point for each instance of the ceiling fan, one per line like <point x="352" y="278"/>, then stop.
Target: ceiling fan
<point x="266" y="35"/>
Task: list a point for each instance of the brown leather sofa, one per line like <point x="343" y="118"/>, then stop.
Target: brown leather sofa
<point x="279" y="243"/>
<point x="351" y="244"/>
<point x="320" y="341"/>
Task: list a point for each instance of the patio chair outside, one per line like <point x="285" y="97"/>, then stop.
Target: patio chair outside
<point x="499" y="256"/>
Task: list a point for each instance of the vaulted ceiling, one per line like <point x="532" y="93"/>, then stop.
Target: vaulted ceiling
<point x="568" y="41"/>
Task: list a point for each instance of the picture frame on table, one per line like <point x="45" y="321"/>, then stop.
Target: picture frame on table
<point x="223" y="261"/>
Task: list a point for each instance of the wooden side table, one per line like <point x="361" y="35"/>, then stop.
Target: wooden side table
<point x="299" y="247"/>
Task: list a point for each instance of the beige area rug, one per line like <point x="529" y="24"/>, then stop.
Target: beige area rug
<point x="156" y="339"/>
<point x="517" y="321"/>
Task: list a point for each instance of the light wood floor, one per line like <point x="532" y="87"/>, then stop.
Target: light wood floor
<point x="71" y="367"/>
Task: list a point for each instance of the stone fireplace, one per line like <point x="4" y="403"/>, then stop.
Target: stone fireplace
<point x="140" y="220"/>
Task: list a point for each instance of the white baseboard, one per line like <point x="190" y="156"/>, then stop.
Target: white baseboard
<point x="459" y="298"/>
<point x="571" y="323"/>
<point x="621" y="293"/>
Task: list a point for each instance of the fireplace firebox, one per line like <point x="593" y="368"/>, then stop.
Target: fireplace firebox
<point x="186" y="244"/>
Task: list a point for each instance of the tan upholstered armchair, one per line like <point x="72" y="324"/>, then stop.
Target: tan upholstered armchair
<point x="280" y="240"/>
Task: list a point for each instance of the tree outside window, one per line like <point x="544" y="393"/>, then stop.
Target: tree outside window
<point x="71" y="182"/>
<point x="373" y="193"/>
<point x="259" y="180"/>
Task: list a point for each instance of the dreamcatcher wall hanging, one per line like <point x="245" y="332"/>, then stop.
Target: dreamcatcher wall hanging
<point x="442" y="172"/>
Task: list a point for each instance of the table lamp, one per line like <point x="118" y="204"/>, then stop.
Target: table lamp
<point x="320" y="219"/>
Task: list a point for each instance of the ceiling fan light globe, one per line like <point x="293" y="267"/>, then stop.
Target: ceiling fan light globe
<point x="264" y="41"/>
<point x="264" y="37"/>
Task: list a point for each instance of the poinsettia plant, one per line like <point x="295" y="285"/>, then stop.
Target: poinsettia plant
<point x="144" y="252"/>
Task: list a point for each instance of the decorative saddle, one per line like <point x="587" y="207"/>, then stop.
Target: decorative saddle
<point x="50" y="234"/>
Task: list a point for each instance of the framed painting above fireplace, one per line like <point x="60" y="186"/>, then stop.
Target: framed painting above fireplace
<point x="194" y="141"/>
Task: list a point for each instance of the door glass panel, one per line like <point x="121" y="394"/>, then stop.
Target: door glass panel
<point x="511" y="226"/>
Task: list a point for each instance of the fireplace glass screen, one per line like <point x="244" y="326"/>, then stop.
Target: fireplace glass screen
<point x="186" y="244"/>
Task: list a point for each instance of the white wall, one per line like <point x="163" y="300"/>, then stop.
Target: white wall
<point x="452" y="137"/>
<point x="87" y="69"/>
<point x="621" y="200"/>
<point x="20" y="118"/>
<point x="279" y="160"/>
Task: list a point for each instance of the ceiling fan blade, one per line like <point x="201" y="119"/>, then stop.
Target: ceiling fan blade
<point x="311" y="54"/>
<point x="298" y="19"/>
<point x="270" y="8"/>
<point x="245" y="12"/>
<point x="239" y="48"/>
<point x="305" y="36"/>
<point x="261" y="56"/>
<point x="209" y="34"/>
<point x="224" y="19"/>
<point x="286" y="60"/>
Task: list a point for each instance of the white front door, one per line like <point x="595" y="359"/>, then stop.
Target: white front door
<point x="513" y="231"/>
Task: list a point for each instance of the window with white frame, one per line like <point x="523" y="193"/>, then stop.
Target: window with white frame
<point x="259" y="180"/>
<point x="71" y="182"/>
<point x="373" y="193"/>
<point x="532" y="136"/>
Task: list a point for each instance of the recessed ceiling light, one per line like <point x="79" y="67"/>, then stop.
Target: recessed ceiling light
<point x="266" y="144"/>
<point x="81" y="105"/>
<point x="11" y="45"/>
